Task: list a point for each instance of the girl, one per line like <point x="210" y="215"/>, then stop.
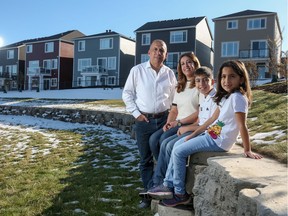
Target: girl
<point x="233" y="98"/>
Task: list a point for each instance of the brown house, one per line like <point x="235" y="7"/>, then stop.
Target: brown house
<point x="49" y="61"/>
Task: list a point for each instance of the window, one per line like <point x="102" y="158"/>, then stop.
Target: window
<point x="102" y="63"/>
<point x="111" y="80"/>
<point x="54" y="82"/>
<point x="230" y="49"/>
<point x="144" y="58"/>
<point x="258" y="23"/>
<point x="178" y="36"/>
<point x="50" y="64"/>
<point x="11" y="69"/>
<point x="81" y="45"/>
<point x="1" y="70"/>
<point x="146" y="39"/>
<point x="259" y="49"/>
<point x="111" y="63"/>
<point x="172" y="60"/>
<point x="232" y="24"/>
<point x="29" y="49"/>
<point x="49" y="47"/>
<point x="10" y="54"/>
<point x="106" y="43"/>
<point x="83" y="63"/>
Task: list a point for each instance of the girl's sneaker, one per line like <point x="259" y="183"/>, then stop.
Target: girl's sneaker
<point x="178" y="199"/>
<point x="161" y="192"/>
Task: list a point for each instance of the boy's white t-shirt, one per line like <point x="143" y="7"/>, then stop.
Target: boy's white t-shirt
<point x="187" y="101"/>
<point x="207" y="107"/>
<point x="224" y="130"/>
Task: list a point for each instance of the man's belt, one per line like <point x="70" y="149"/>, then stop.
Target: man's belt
<point x="154" y="115"/>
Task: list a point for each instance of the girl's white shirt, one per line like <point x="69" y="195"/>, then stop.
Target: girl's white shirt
<point x="224" y="130"/>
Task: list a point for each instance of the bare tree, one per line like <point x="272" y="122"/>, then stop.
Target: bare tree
<point x="251" y="67"/>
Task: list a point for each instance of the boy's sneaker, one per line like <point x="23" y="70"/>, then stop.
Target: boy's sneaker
<point x="144" y="203"/>
<point x="178" y="199"/>
<point x="161" y="192"/>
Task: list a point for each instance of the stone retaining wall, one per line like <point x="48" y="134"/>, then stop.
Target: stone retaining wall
<point x="222" y="183"/>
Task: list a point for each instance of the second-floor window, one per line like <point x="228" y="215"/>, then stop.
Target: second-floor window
<point x="29" y="48"/>
<point x="257" y="23"/>
<point x="50" y="64"/>
<point x="178" y="36"/>
<point x="111" y="63"/>
<point x="49" y="47"/>
<point x="146" y="39"/>
<point x="81" y="45"/>
<point x="106" y="43"/>
<point x="10" y="54"/>
<point x="232" y="24"/>
<point x="259" y="49"/>
<point x="11" y="69"/>
<point x="84" y="63"/>
<point x="230" y="49"/>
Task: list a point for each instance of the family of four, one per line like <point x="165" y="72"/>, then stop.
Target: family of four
<point x="179" y="117"/>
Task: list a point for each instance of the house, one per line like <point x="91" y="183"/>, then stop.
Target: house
<point x="103" y="59"/>
<point x="248" y="36"/>
<point x="12" y="66"/>
<point x="180" y="35"/>
<point x="49" y="61"/>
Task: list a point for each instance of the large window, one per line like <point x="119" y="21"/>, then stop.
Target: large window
<point x="83" y="63"/>
<point x="81" y="45"/>
<point x="111" y="63"/>
<point x="259" y="49"/>
<point x="50" y="64"/>
<point x="230" y="49"/>
<point x="258" y="23"/>
<point x="10" y="54"/>
<point x="146" y="39"/>
<point x="178" y="36"/>
<point x="232" y="24"/>
<point x="49" y="47"/>
<point x="172" y="60"/>
<point x="11" y="69"/>
<point x="106" y="43"/>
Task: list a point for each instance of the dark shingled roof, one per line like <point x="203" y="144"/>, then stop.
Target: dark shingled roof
<point x="107" y="33"/>
<point x="244" y="13"/>
<point x="52" y="37"/>
<point x="170" y="23"/>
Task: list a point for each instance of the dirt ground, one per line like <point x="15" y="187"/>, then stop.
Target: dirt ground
<point x="277" y="87"/>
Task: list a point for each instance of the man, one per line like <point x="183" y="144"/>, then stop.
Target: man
<point x="148" y="95"/>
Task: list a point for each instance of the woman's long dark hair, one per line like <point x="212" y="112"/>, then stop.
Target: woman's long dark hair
<point x="240" y="69"/>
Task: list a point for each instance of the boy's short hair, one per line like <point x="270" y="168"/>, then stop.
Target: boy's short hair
<point x="204" y="71"/>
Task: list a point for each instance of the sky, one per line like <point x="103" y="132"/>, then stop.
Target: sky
<point x="21" y="20"/>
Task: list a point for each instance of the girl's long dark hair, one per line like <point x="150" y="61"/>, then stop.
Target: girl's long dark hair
<point x="240" y="69"/>
<point x="182" y="80"/>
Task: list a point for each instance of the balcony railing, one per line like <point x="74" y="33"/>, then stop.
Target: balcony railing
<point x="94" y="70"/>
<point x="38" y="71"/>
<point x="254" y="53"/>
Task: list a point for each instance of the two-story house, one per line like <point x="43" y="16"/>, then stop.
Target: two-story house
<point x="246" y="36"/>
<point x="103" y="59"/>
<point x="12" y="66"/>
<point x="49" y="61"/>
<point x="180" y="35"/>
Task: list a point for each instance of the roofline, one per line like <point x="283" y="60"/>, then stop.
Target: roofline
<point x="244" y="16"/>
<point x="161" y="29"/>
<point x="102" y="36"/>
